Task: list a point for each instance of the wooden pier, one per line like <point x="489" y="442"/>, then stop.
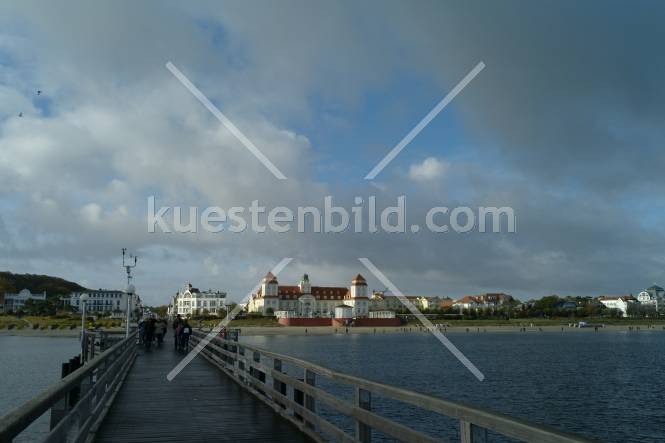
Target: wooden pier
<point x="199" y="405"/>
<point x="235" y="392"/>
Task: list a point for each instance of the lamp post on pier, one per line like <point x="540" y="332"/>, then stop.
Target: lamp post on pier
<point x="130" y="287"/>
<point x="130" y="294"/>
<point x="83" y="299"/>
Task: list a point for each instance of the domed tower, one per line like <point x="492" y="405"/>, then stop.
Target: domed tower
<point x="358" y="287"/>
<point x="269" y="285"/>
<point x="304" y="285"/>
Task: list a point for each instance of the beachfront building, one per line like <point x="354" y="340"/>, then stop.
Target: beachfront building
<point x="16" y="302"/>
<point x="103" y="301"/>
<point x="653" y="296"/>
<point x="191" y="300"/>
<point x="495" y="299"/>
<point x="381" y="314"/>
<point x="309" y="301"/>
<point x="343" y="311"/>
<point x="380" y="301"/>
<point x="467" y="302"/>
<point x="620" y="303"/>
<point x="483" y="301"/>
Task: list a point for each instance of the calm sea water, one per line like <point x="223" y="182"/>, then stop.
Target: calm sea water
<point x="28" y="365"/>
<point x="605" y="385"/>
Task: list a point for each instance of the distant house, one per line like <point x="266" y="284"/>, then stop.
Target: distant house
<point x="566" y="304"/>
<point x="620" y="303"/>
<point x="446" y="303"/>
<point x="380" y="301"/>
<point x="492" y="299"/>
<point x="467" y="302"/>
<point x="652" y="296"/>
<point x="102" y="301"/>
<point x="191" y="300"/>
<point x="15" y="302"/>
<point x="483" y="301"/>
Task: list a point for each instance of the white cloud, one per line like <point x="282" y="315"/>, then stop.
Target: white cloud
<point x="430" y="169"/>
<point x="211" y="265"/>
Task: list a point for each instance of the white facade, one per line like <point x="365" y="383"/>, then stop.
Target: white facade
<point x="307" y="300"/>
<point x="191" y="300"/>
<point x="15" y="302"/>
<point x="381" y="314"/>
<point x="286" y="314"/>
<point x="343" y="311"/>
<point x="653" y="296"/>
<point x="647" y="299"/>
<point x="103" y="301"/>
<point x="618" y="303"/>
<point x="381" y="302"/>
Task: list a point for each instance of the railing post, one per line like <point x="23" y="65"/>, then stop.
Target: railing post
<point x="363" y="401"/>
<point x="257" y="373"/>
<point x="310" y="402"/>
<point x="470" y="433"/>
<point x="60" y="409"/>
<point x="277" y="384"/>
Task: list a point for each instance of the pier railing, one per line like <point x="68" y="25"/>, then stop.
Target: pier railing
<point x="79" y="401"/>
<point x="296" y="397"/>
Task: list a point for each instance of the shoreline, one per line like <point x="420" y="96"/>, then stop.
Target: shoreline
<point x="329" y="330"/>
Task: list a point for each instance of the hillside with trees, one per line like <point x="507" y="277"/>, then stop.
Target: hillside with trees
<point x="54" y="286"/>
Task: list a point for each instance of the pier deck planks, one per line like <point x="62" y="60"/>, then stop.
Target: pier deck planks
<point x="200" y="405"/>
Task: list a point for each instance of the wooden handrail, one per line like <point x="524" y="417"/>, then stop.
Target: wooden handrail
<point x="468" y="416"/>
<point x="20" y="418"/>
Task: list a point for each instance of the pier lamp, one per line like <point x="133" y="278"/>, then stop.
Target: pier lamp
<point x="130" y="293"/>
<point x="83" y="299"/>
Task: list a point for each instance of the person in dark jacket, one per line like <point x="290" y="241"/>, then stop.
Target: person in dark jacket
<point x="176" y="323"/>
<point x="185" y="332"/>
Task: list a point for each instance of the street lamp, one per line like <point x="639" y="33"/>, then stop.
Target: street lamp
<point x="130" y="293"/>
<point x="83" y="298"/>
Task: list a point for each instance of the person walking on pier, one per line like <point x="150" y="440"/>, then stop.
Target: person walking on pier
<point x="159" y="331"/>
<point x="176" y="324"/>
<point x="185" y="332"/>
<point x="149" y="332"/>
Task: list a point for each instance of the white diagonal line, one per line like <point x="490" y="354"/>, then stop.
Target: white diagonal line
<point x="425" y="121"/>
<point x="204" y="342"/>
<point x="225" y="121"/>
<point x="428" y="324"/>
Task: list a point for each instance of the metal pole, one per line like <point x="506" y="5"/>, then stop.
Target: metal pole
<point x="128" y="316"/>
<point x="83" y="302"/>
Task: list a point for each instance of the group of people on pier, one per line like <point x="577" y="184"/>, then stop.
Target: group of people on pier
<point x="152" y="329"/>
<point x="181" y="333"/>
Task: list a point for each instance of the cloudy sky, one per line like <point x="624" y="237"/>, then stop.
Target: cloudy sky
<point x="564" y="124"/>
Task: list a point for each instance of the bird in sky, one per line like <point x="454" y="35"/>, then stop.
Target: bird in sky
<point x="39" y="92"/>
<point x="20" y="114"/>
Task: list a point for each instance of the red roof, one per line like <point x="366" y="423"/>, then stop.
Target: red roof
<point x="318" y="292"/>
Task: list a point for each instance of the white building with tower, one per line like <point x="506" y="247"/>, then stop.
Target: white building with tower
<point x="191" y="300"/>
<point x="307" y="301"/>
<point x="652" y="296"/>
